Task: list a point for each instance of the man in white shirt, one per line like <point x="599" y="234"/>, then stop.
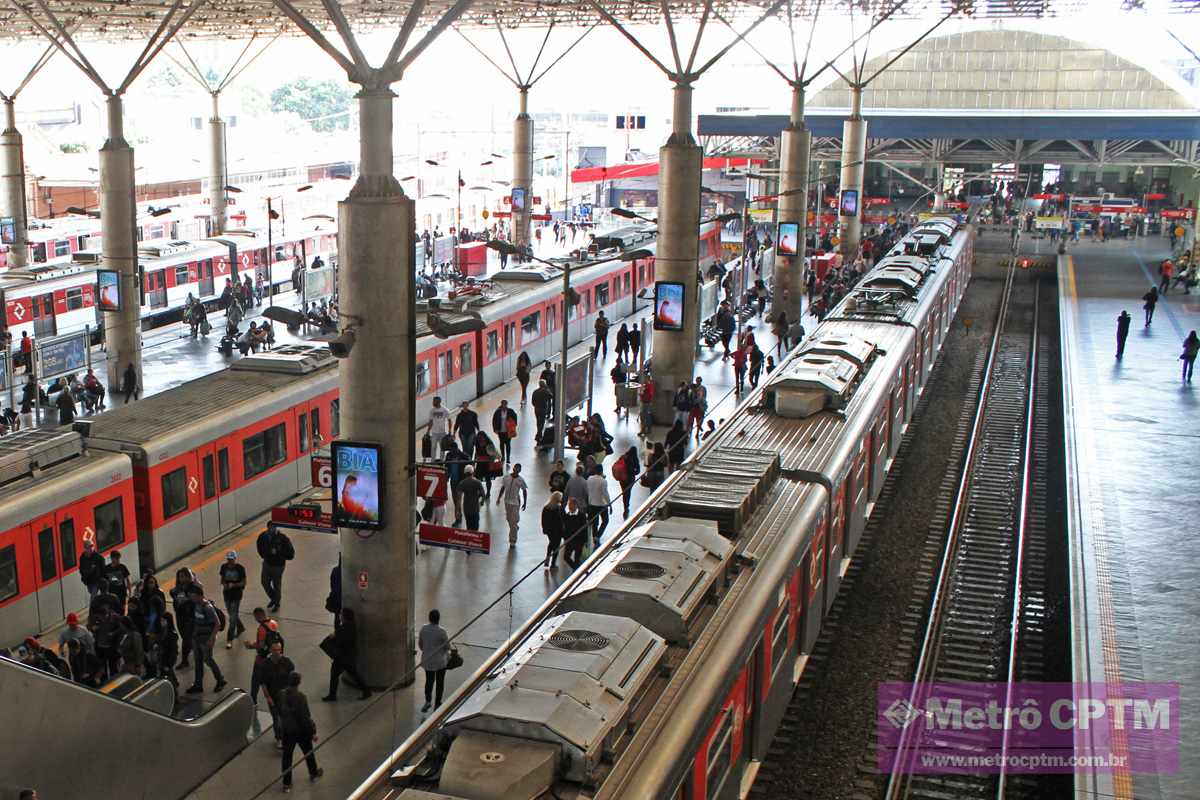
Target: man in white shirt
<point x="598" y="502"/>
<point x="439" y="425"/>
<point x="514" y="493"/>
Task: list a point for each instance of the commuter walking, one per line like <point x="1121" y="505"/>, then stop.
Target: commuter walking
<point x="524" y="368"/>
<point x="726" y="326"/>
<point x="575" y="532"/>
<point x="266" y="635"/>
<point x="739" y="369"/>
<point x="1191" y="347"/>
<point x="66" y="406"/>
<point x="601" y="327"/>
<point x="635" y="342"/>
<point x="514" y="493"/>
<point x="598" y="503"/>
<point x="91" y="568"/>
<point x="504" y="425"/>
<point x="466" y="425"/>
<point x="542" y="401"/>
<point x="677" y="439"/>
<point x="552" y="529"/>
<point x="699" y="402"/>
<point x="547" y="376"/>
<point x="1151" y="300"/>
<point x="439" y="427"/>
<point x="343" y="650"/>
<point x="233" y="585"/>
<point x="577" y="488"/>
<point x="623" y="342"/>
<point x="626" y="470"/>
<point x="1165" y="270"/>
<point x="130" y="384"/>
<point x="1123" y="321"/>
<point x="276" y="668"/>
<point x="181" y="602"/>
<point x="472" y="491"/>
<point x="299" y="729"/>
<point x="682" y="402"/>
<point x="435" y="655"/>
<point x="275" y="549"/>
<point x="756" y="365"/>
<point x="205" y="623"/>
<point x="780" y="329"/>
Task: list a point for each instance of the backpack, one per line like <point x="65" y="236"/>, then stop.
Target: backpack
<point x="270" y="638"/>
<point x="221" y="619"/>
<point x="510" y="427"/>
<point x="115" y="583"/>
<point x="289" y="551"/>
<point x="620" y="470"/>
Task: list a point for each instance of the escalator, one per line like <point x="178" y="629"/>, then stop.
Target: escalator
<point x="67" y="740"/>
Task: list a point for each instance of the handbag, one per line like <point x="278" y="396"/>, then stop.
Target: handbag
<point x="329" y="646"/>
<point x="454" y="660"/>
<point x="205" y="328"/>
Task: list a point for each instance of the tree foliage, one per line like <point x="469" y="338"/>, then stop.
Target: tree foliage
<point x="317" y="102"/>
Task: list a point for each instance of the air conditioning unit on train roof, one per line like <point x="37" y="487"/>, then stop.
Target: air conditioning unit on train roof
<point x="659" y="575"/>
<point x="811" y="384"/>
<point x="558" y="704"/>
<point x="295" y="359"/>
<point x="893" y="278"/>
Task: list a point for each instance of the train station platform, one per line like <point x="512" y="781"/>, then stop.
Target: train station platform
<point x="357" y="735"/>
<point x="1132" y="456"/>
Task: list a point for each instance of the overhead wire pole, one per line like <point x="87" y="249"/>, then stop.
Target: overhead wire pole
<point x="681" y="162"/>
<point x="13" y="203"/>
<point x="118" y="202"/>
<point x="523" y="131"/>
<point x="376" y="243"/>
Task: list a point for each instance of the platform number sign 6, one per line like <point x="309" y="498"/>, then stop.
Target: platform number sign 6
<point x="322" y="472"/>
<point x="431" y="482"/>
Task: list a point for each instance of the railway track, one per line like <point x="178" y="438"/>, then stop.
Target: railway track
<point x="986" y="617"/>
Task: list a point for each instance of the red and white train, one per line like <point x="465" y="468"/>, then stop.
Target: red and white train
<point x="58" y="299"/>
<point x="188" y="469"/>
<point x="662" y="667"/>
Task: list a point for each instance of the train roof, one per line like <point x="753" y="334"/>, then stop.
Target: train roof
<point x="39" y="468"/>
<point x="45" y="276"/>
<point x="164" y="425"/>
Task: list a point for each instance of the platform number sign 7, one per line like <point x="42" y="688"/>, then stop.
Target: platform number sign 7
<point x="431" y="482"/>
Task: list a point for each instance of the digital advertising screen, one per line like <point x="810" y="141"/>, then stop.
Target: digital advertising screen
<point x="8" y="230"/>
<point x="848" y="205"/>
<point x="518" y="199"/>
<point x="108" y="289"/>
<point x="788" y="238"/>
<point x="668" y="306"/>
<point x="358" y="485"/>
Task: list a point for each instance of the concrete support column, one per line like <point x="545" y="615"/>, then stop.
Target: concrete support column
<point x="939" y="190"/>
<point x="794" y="146"/>
<point x="523" y="169"/>
<point x="678" y="252"/>
<point x="118" y="220"/>
<point x="376" y="242"/>
<point x="216" y="167"/>
<point x="854" y="156"/>
<point x="12" y="186"/>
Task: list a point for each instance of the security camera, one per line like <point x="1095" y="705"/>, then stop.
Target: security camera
<point x="341" y="345"/>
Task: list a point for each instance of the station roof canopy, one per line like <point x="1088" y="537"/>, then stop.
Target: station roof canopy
<point x="239" y="19"/>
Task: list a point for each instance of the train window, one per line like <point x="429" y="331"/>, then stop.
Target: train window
<point x="446" y="366"/>
<point x="720" y="751"/>
<point x="493" y="345"/>
<point x="181" y="275"/>
<point x="66" y="542"/>
<point x="174" y="493"/>
<point x="316" y="426"/>
<point x="464" y="357"/>
<point x="62" y="248"/>
<point x="335" y="418"/>
<point x="210" y="478"/>
<point x="8" y="573"/>
<point x="39" y="253"/>
<point x="303" y="433"/>
<point x="223" y="468"/>
<point x="264" y="450"/>
<point x="422" y="377"/>
<point x="552" y="318"/>
<point x="46" y="554"/>
<point x="625" y="283"/>
<point x="510" y="337"/>
<point x="75" y="298"/>
<point x="779" y="636"/>
<point x="601" y="294"/>
<point x="110" y="524"/>
<point x="531" y="327"/>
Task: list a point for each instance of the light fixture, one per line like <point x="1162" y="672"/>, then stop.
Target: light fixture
<point x="305" y="188"/>
<point x="431" y="162"/>
<point x="233" y="189"/>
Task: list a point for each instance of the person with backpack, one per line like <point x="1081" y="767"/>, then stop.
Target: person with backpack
<point x="275" y="549"/>
<point x="266" y="635"/>
<point x="298" y="730"/>
<point x="233" y="585"/>
<point x="682" y="402"/>
<point x="182" y="605"/>
<point x="131" y="648"/>
<point x="275" y="670"/>
<point x="575" y="533"/>
<point x="625" y="470"/>
<point x="1191" y="348"/>
<point x="207" y="622"/>
<point x="552" y="529"/>
<point x="543" y="402"/>
<point x="91" y="568"/>
<point x="344" y="653"/>
<point x="162" y="648"/>
<point x="504" y="425"/>
<point x="116" y="578"/>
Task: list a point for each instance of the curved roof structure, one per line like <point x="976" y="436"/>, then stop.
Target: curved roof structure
<point x="1009" y="70"/>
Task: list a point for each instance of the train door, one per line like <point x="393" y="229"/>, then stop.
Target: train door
<point x="156" y="289"/>
<point x="44" y="540"/>
<point x="74" y="593"/>
<point x="43" y="315"/>
<point x="207" y="286"/>
<point x="510" y="349"/>
<point x="477" y="363"/>
<point x="218" y="509"/>
<point x="718" y="764"/>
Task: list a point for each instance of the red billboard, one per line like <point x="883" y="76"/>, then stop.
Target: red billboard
<point x="455" y="538"/>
